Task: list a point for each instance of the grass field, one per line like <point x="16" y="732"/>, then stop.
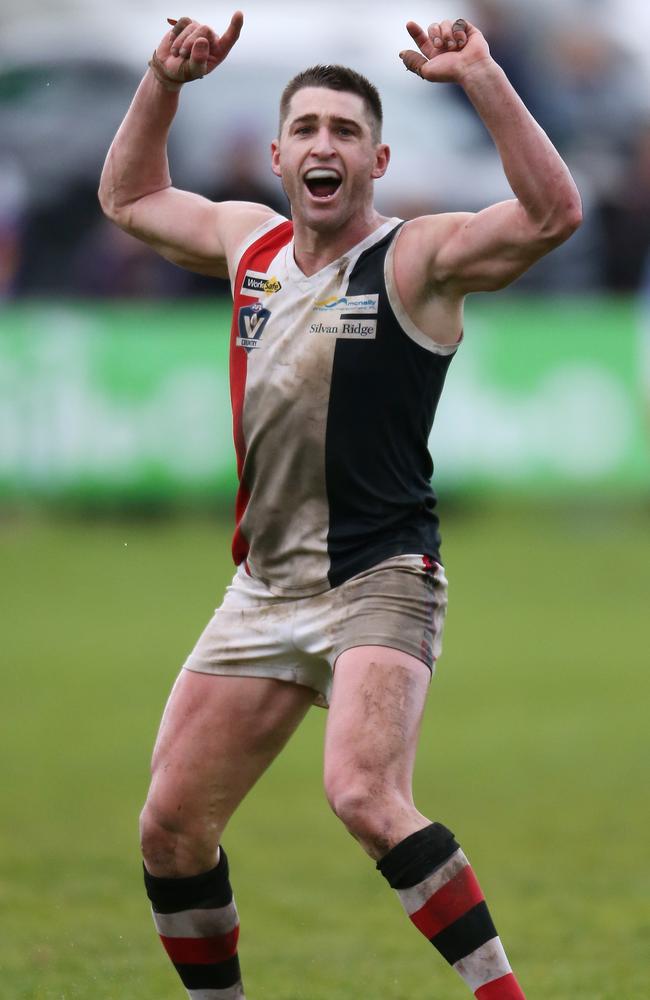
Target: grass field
<point x="534" y="752"/>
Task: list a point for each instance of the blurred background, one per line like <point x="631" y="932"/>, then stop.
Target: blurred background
<point x="100" y="398"/>
<point x="117" y="479"/>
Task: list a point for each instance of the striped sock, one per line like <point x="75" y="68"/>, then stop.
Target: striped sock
<point x="198" y="925"/>
<point x="441" y="895"/>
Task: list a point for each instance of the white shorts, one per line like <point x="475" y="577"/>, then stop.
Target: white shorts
<point x="400" y="603"/>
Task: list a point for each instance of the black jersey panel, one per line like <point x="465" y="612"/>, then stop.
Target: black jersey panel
<point x="384" y="394"/>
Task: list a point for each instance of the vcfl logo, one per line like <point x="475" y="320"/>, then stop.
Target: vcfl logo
<point x="251" y="322"/>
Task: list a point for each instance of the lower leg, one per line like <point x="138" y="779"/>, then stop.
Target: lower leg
<point x="196" y="919"/>
<point x="217" y="737"/>
<point x="377" y="702"/>
<point x="442" y="897"/>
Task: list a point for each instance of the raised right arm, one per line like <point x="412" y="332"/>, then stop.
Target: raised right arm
<point x="136" y="191"/>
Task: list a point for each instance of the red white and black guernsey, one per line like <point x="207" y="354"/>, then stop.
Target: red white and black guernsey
<point x="334" y="391"/>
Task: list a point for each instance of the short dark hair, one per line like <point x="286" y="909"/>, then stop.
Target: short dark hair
<point x="336" y="78"/>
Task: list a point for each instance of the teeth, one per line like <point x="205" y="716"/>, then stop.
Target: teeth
<point x="321" y="174"/>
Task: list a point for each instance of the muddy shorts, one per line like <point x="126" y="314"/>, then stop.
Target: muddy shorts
<point x="400" y="603"/>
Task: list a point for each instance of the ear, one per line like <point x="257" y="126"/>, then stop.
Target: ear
<point x="382" y="159"/>
<point x="275" y="157"/>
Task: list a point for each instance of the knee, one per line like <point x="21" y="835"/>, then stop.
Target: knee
<point x="156" y="834"/>
<point x="159" y="835"/>
<point x="367" y="808"/>
<point x="175" y="845"/>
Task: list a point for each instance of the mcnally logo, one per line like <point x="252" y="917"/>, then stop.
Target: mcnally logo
<point x="251" y="321"/>
<point x="360" y="305"/>
<point x="255" y="283"/>
<point x="347" y="329"/>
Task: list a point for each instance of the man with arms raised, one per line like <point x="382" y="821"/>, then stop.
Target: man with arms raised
<point x="344" y="325"/>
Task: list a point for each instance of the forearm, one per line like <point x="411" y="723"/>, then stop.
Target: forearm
<point x="538" y="176"/>
<point x="137" y="163"/>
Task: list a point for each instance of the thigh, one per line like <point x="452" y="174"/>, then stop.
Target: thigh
<point x="399" y="604"/>
<point x="217" y="736"/>
<point x="252" y="635"/>
<point x="376" y="708"/>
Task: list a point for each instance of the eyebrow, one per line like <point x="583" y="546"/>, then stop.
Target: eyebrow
<point x="335" y="119"/>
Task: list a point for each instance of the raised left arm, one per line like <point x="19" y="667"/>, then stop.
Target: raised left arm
<point x="479" y="252"/>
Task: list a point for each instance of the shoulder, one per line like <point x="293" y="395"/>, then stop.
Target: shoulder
<point x="419" y="249"/>
<point x="422" y="300"/>
<point x="421" y="240"/>
<point x="241" y="222"/>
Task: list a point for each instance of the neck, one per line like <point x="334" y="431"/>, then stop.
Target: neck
<point x="314" y="249"/>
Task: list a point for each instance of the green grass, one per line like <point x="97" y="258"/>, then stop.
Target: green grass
<point x="533" y="751"/>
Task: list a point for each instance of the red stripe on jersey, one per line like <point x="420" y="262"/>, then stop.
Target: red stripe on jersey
<point x="256" y="258"/>
<point x="454" y="899"/>
<point x="239" y="541"/>
<point x="503" y="988"/>
<point x="201" y="951"/>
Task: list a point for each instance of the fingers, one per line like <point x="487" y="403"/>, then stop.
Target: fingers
<point x="190" y="43"/>
<point x="447" y="36"/>
<point x="437" y="44"/>
<point x="435" y="35"/>
<point x="232" y="32"/>
<point x="414" y="61"/>
<point x="191" y="50"/>
<point x="421" y="39"/>
<point x="178" y="28"/>
<point x="460" y="30"/>
<point x="185" y="33"/>
<point x="198" y="64"/>
<point x="179" y="34"/>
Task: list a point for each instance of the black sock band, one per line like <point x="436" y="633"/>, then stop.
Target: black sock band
<point x="205" y="891"/>
<point x="415" y="857"/>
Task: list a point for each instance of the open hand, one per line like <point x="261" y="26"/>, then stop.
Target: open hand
<point x="192" y="50"/>
<point x="447" y="50"/>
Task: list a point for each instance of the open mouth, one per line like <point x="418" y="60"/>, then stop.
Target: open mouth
<point x="322" y="182"/>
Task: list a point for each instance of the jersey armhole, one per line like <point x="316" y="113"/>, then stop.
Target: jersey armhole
<point x="253" y="237"/>
<point x="403" y="318"/>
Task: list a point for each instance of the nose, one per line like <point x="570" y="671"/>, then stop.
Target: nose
<point x="323" y="146"/>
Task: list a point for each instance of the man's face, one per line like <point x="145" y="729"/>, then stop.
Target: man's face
<point x="327" y="158"/>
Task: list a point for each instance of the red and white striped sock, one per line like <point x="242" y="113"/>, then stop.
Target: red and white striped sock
<point x="197" y="921"/>
<point x="442" y="897"/>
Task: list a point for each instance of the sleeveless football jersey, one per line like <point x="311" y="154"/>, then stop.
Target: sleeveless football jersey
<point x="334" y="391"/>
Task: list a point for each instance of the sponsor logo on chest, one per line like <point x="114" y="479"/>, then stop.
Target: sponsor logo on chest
<point x="346" y="329"/>
<point x="257" y="284"/>
<point x="360" y="323"/>
<point x="360" y="305"/>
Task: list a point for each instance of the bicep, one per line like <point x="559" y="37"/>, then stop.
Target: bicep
<point x="486" y="250"/>
<point x="192" y="231"/>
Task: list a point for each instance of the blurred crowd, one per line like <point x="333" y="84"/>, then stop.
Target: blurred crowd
<point x="587" y="90"/>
